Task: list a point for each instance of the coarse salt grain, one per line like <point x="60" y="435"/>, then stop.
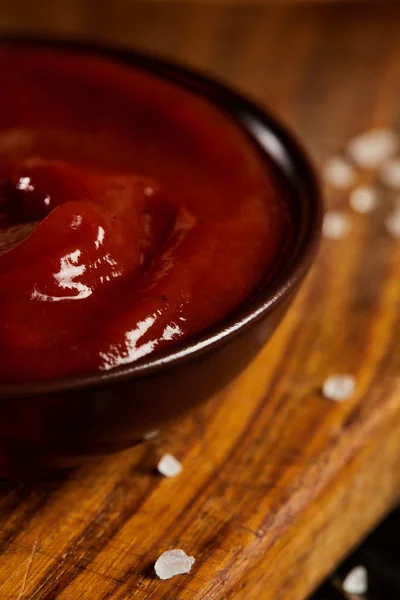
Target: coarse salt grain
<point x="363" y="199"/>
<point x="335" y="225"/>
<point x="151" y="435"/>
<point x="173" y="562"/>
<point x="338" y="173"/>
<point x="356" y="582"/>
<point x="169" y="466"/>
<point x="338" y="387"/>
<point x="390" y="173"/>
<point x="372" y="148"/>
<point x="392" y="223"/>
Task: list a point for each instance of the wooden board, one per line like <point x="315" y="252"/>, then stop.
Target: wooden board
<point x="278" y="482"/>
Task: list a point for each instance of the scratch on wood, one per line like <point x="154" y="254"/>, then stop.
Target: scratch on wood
<point x="28" y="570"/>
<point x="37" y="590"/>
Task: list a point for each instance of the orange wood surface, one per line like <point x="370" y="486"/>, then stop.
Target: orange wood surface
<point x="278" y="482"/>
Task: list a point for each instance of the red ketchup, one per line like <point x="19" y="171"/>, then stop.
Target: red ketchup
<point x="133" y="214"/>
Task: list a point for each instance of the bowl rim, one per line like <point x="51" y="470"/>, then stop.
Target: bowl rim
<point x="273" y="140"/>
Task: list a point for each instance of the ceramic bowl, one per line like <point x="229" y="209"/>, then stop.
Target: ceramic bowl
<point x="64" y="422"/>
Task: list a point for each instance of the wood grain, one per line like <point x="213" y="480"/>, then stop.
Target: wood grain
<point x="278" y="482"/>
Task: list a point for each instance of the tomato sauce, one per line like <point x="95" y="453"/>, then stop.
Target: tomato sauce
<point x="133" y="214"/>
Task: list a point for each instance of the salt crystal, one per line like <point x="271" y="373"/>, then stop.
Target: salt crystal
<point x="338" y="387"/>
<point x="392" y="223"/>
<point x="335" y="225"/>
<point x="338" y="173"/>
<point x="390" y="173"/>
<point x="363" y="199"/>
<point x="372" y="148"/>
<point x="150" y="435"/>
<point x="173" y="562"/>
<point x="356" y="582"/>
<point x="169" y="466"/>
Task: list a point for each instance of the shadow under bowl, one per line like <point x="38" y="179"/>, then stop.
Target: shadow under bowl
<point x="61" y="423"/>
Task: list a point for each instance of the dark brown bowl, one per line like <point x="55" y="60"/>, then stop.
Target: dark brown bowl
<point x="62" y="422"/>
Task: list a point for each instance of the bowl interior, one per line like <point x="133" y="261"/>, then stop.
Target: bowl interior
<point x="303" y="196"/>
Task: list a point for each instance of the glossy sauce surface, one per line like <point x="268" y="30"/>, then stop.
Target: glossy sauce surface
<point x="133" y="214"/>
